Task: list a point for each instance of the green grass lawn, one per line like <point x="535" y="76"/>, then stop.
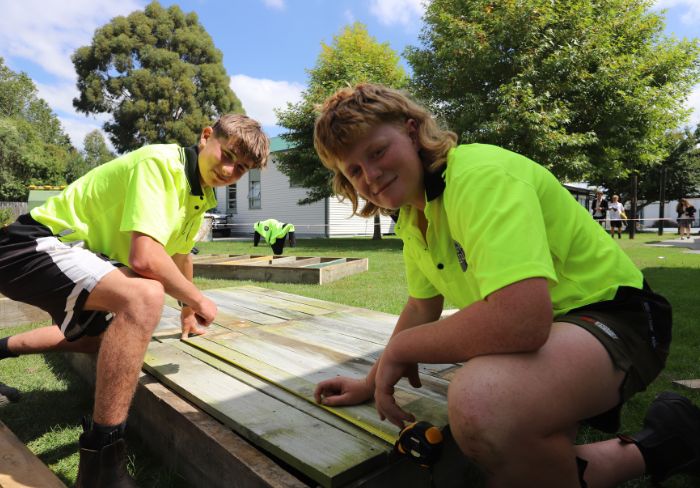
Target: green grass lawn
<point x="47" y="418"/>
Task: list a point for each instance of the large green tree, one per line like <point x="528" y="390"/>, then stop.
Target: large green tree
<point x="353" y="57"/>
<point x="159" y="75"/>
<point x="33" y="147"/>
<point x="586" y="88"/>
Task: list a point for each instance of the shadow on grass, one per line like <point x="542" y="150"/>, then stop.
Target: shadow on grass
<point x="50" y="420"/>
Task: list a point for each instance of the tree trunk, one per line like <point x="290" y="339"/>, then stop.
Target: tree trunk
<point x="377" y="228"/>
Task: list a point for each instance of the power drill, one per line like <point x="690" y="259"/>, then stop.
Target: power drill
<point x="421" y="442"/>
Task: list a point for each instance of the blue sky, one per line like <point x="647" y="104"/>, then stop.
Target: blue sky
<point x="267" y="44"/>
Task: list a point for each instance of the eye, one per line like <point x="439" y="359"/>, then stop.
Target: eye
<point x="378" y="152"/>
<point x="354" y="171"/>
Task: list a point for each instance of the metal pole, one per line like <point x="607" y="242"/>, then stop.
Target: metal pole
<point x="662" y="200"/>
<point x="633" y="227"/>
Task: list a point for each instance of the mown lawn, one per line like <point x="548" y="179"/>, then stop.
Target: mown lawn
<point x="47" y="418"/>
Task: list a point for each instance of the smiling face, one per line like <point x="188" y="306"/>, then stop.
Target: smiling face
<point x="385" y="168"/>
<point x="219" y="165"/>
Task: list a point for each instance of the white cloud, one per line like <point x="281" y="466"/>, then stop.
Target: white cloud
<point x="77" y="128"/>
<point x="59" y="96"/>
<point x="260" y="96"/>
<point x="274" y="4"/>
<point x="691" y="9"/>
<point x="47" y="33"/>
<point x="403" y="12"/>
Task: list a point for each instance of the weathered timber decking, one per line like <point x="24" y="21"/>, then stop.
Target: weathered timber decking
<point x="281" y="269"/>
<point x="255" y="371"/>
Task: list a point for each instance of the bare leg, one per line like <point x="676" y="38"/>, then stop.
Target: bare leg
<point x="514" y="413"/>
<point x="137" y="303"/>
<point x="611" y="463"/>
<point x="50" y="338"/>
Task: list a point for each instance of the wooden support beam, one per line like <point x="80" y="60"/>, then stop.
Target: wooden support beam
<point x="19" y="467"/>
<point x="690" y="384"/>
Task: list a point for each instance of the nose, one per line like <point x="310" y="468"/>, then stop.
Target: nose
<point x="371" y="172"/>
<point x="227" y="170"/>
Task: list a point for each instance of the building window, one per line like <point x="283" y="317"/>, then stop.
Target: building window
<point x="231" y="199"/>
<point x="254" y="200"/>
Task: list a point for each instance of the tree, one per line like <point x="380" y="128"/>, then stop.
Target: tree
<point x="682" y="168"/>
<point x="585" y="88"/>
<point x="95" y="149"/>
<point x="353" y="57"/>
<point x="33" y="147"/>
<point x="95" y="152"/>
<point x="157" y="73"/>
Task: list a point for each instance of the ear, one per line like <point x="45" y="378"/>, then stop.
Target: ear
<point x="204" y="136"/>
<point x="412" y="131"/>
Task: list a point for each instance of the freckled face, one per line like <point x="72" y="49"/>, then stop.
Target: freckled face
<point x="218" y="163"/>
<point x="384" y="166"/>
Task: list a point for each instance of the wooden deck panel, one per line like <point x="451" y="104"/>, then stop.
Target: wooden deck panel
<point x="299" y="439"/>
<point x="229" y="370"/>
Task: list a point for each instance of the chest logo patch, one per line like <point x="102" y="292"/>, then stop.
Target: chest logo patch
<point x="461" y="256"/>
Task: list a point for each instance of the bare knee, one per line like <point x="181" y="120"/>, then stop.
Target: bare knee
<point x="144" y="303"/>
<point x="481" y="422"/>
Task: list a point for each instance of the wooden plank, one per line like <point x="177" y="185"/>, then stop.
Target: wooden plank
<point x="278" y="303"/>
<point x="323" y="264"/>
<point x="229" y="298"/>
<point x="305" y="334"/>
<point x="281" y="394"/>
<point x="299" y="439"/>
<point x="19" y="467"/>
<point x="341" y="270"/>
<point x="691" y="384"/>
<point x="300" y="366"/>
<point x="298" y="261"/>
<point x="299" y="384"/>
<point x="293" y="298"/>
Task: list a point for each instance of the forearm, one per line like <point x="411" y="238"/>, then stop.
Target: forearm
<point x="149" y="259"/>
<point x="415" y="313"/>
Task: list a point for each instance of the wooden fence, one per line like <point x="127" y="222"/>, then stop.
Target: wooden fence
<point x="17" y="208"/>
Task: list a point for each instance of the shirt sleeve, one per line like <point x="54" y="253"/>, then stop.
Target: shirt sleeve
<point x="158" y="221"/>
<point x="499" y="221"/>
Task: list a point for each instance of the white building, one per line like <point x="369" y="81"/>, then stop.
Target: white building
<point x="268" y="193"/>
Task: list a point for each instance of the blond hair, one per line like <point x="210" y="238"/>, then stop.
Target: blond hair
<point x="250" y="142"/>
<point x="349" y="114"/>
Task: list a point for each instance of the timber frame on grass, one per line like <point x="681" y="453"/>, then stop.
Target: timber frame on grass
<point x="280" y="269"/>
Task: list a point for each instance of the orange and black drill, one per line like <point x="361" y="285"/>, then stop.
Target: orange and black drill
<point x="421" y="442"/>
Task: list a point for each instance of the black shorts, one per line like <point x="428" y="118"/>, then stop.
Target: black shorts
<point x="635" y="329"/>
<point x="616" y="223"/>
<point x="37" y="268"/>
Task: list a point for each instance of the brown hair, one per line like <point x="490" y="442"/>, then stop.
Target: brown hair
<point x="250" y="141"/>
<point x="348" y="114"/>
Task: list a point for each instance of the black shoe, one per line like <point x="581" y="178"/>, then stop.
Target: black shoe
<point x="8" y="394"/>
<point x="670" y="439"/>
<point x="104" y="467"/>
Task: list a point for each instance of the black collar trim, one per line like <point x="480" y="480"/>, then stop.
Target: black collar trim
<point x="434" y="184"/>
<point x="192" y="170"/>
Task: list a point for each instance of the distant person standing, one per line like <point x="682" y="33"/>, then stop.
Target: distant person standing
<point x="686" y="215"/>
<point x="615" y="210"/>
<point x="599" y="207"/>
